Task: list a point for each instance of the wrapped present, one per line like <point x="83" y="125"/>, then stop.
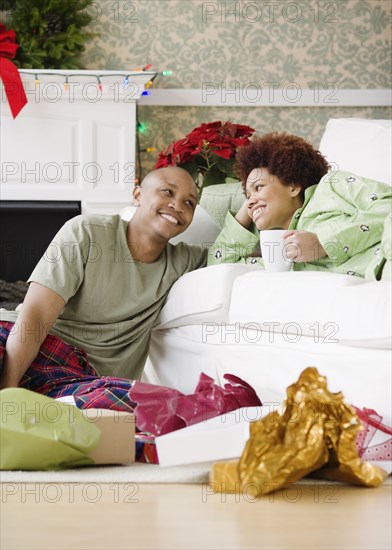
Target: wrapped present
<point x="374" y="441"/>
<point x="315" y="432"/>
<point x="39" y="433"/>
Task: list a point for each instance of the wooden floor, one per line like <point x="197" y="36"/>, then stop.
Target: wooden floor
<point x="114" y="516"/>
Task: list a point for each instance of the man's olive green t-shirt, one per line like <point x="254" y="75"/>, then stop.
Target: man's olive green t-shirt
<point x="112" y="301"/>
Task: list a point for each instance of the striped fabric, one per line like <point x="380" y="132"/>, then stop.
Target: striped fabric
<point x="60" y="369"/>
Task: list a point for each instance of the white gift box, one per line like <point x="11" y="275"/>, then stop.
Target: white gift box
<point x="221" y="438"/>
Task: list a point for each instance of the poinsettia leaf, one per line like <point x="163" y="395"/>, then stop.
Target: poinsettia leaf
<point x="191" y="168"/>
<point x="213" y="176"/>
<point x="226" y="165"/>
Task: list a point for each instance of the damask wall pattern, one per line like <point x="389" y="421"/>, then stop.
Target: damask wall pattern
<point x="166" y="124"/>
<point x="345" y="44"/>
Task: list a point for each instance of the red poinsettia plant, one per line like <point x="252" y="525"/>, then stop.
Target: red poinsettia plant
<point x="207" y="152"/>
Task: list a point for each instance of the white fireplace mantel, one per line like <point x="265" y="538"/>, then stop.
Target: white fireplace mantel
<point x="74" y="140"/>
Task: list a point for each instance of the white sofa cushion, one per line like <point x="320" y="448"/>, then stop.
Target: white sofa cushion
<point x="201" y="296"/>
<point x="360" y="146"/>
<point x="326" y="306"/>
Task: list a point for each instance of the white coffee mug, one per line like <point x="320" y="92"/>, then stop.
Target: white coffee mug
<point x="273" y="250"/>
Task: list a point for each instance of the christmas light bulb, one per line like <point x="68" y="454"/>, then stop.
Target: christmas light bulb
<point x="141" y="127"/>
<point x="149" y="84"/>
<point x="167" y="73"/>
<point x="146" y="92"/>
<point x="151" y="149"/>
<point x="147" y="67"/>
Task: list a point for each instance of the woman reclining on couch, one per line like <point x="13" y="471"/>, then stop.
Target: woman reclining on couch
<point x="335" y="221"/>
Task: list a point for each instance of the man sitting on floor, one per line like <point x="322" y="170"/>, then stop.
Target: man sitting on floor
<point x="99" y="289"/>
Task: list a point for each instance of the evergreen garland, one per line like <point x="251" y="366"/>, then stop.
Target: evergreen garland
<point x="6" y="5"/>
<point x="50" y="33"/>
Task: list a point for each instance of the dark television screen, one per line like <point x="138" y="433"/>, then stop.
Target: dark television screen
<point x="26" y="229"/>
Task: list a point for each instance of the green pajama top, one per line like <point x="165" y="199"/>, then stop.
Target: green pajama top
<point x="351" y="217"/>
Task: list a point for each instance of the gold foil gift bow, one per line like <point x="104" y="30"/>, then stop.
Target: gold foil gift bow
<point x="314" y="433"/>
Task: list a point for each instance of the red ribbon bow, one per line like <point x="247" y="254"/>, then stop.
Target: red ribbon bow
<point x="9" y="73"/>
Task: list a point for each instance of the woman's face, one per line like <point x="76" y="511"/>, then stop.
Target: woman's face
<point x="271" y="204"/>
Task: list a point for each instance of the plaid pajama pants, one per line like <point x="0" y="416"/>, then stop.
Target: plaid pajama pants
<point x="60" y="369"/>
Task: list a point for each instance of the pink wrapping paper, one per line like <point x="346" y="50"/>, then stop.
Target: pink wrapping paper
<point x="162" y="410"/>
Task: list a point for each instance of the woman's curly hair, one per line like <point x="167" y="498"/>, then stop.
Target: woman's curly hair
<point x="290" y="158"/>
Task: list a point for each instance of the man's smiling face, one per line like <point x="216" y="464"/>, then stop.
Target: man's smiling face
<point x="167" y="200"/>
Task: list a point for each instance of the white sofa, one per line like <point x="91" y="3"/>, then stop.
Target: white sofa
<point x="267" y="328"/>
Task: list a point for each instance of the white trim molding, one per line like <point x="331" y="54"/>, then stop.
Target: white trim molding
<point x="215" y="94"/>
<point x="74" y="140"/>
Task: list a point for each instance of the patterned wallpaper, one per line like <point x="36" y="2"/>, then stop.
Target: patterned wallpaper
<point x="346" y="43"/>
